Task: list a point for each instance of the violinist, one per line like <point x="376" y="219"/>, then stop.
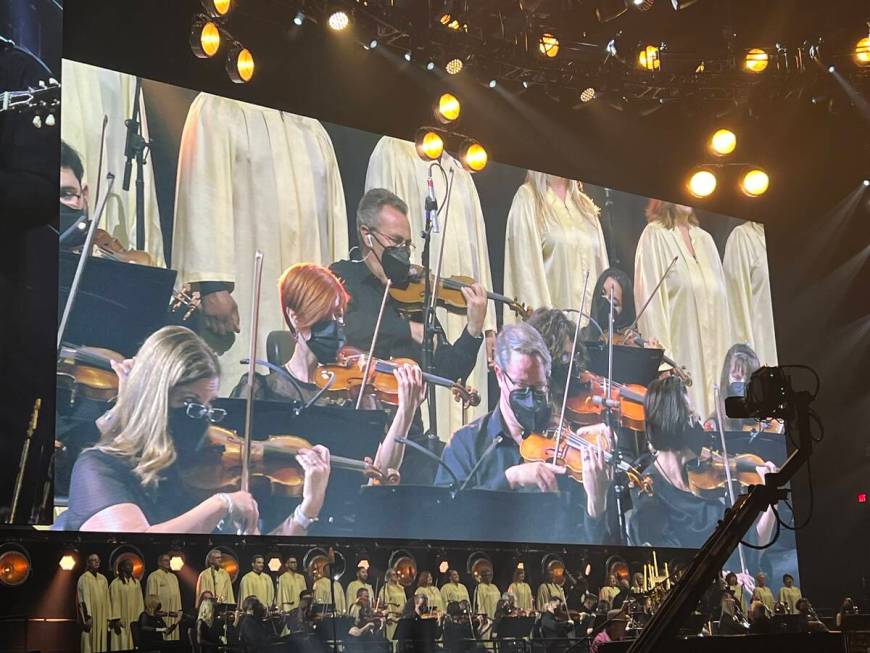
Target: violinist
<point x="555" y="625"/>
<point x="674" y="515"/>
<point x="521" y="592"/>
<point x="73" y="192"/>
<point x="367" y="627"/>
<point x="255" y="634"/>
<point x="152" y="628"/>
<point x="300" y="620"/>
<point x="461" y="631"/>
<point x="558" y="334"/>
<point x="618" y="282"/>
<point x="132" y="480"/>
<point x="209" y="627"/>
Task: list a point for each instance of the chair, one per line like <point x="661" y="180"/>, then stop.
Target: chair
<point x="134" y="631"/>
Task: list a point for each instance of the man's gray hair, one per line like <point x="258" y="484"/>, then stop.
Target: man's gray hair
<point x="369" y="209"/>
<point x="522" y="339"/>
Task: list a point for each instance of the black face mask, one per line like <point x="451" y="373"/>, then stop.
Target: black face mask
<point x="736" y="389"/>
<point x="327" y="339"/>
<point x="186" y="432"/>
<point x="396" y="262"/>
<point x="67" y="218"/>
<point x="531" y="409"/>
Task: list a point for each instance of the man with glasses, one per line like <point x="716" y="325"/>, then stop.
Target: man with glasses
<point x="486" y="453"/>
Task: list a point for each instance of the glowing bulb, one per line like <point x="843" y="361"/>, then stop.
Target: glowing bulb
<point x="454" y="66"/>
<point x="68" y="562"/>
<point x="373" y="44"/>
<point x="649" y="58"/>
<point x="723" y="142"/>
<point x="430" y="66"/>
<point x="448" y="108"/>
<point x="275" y="564"/>
<point x="587" y="95"/>
<point x="217" y="8"/>
<point x="444" y="566"/>
<point x="430" y="145"/>
<point x="702" y="183"/>
<point x="548" y="45"/>
<point x="493" y="83"/>
<point x="408" y="56"/>
<point x="205" y="38"/>
<point x="862" y="52"/>
<point x="755" y="182"/>
<point x="299" y="19"/>
<point x="338" y="21"/>
<point x="756" y="60"/>
<point x="473" y="156"/>
<point x="240" y="65"/>
<point x="176" y="563"/>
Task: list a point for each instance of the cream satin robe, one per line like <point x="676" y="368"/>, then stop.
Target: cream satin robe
<point x="93" y="591"/>
<point x="253" y="178"/>
<point x="259" y="585"/>
<point x="689" y="314"/>
<point x="546" y="257"/>
<point x="218" y="583"/>
<point x="433" y="597"/>
<point x="127" y="604"/>
<point x="87" y="94"/>
<point x="748" y="279"/>
<point x="322" y="594"/>
<point x="354" y="587"/>
<point x="394" y="165"/>
<point x="164" y="585"/>
<point x="457" y="592"/>
<point x="290" y="586"/>
<point x="486" y="599"/>
<point x="546" y="591"/>
<point x="522" y="596"/>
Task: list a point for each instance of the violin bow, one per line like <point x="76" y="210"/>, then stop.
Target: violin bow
<point x="570" y="369"/>
<point x="371" y="356"/>
<point x="633" y="325"/>
<point x="252" y="364"/>
<point x="719" y="423"/>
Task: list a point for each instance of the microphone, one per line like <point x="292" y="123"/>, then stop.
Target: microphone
<point x="431" y="456"/>
<point x="492" y="445"/>
<point x="431" y="204"/>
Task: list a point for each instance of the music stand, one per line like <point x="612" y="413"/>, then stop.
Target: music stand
<point x="630" y="364"/>
<point x="515" y="627"/>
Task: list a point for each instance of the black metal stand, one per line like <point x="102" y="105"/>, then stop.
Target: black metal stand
<point x="135" y="147"/>
<point x="429" y="327"/>
<point x="620" y="485"/>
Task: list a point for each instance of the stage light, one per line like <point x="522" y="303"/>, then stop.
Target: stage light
<point x="866" y="182"/>
<point x="588" y="569"/>
<point x="723" y="142"/>
<point x="525" y="83"/>
<point x="454" y="66"/>
<point x="176" y="562"/>
<point x="862" y="497"/>
<point x="521" y="565"/>
<point x="275" y="564"/>
<point x="755" y="182"/>
<point x="372" y="44"/>
<point x="240" y="64"/>
<point x="472" y="156"/>
<point x="756" y="60"/>
<point x="68" y="561"/>
<point x="702" y="183"/>
<point x="493" y="83"/>
<point x="14" y="566"/>
<point x="430" y="65"/>
<point x="548" y="45"/>
<point x="649" y="58"/>
<point x="682" y="4"/>
<point x="447" y="109"/>
<point x="429" y="144"/>
<point x="299" y="19"/>
<point x="363" y="564"/>
<point x="831" y="69"/>
<point x="205" y="38"/>
<point x="408" y="56"/>
<point x="338" y="20"/>
<point x="131" y="553"/>
<point x="608" y="10"/>
<point x="587" y="95"/>
<point x="862" y="52"/>
<point x="444" y="567"/>
<point x="217" y="8"/>
<point x="643" y="5"/>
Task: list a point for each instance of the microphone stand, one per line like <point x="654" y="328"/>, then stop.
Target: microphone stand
<point x="620" y="489"/>
<point x="727" y="468"/>
<point x="134" y="147"/>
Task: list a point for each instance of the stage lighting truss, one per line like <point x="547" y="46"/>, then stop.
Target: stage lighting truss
<point x="432" y="142"/>
<point x="15" y="565"/>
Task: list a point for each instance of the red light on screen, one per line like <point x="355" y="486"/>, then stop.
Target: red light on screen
<point x="862" y="497"/>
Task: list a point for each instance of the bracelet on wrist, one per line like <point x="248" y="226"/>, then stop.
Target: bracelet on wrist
<point x="300" y="518"/>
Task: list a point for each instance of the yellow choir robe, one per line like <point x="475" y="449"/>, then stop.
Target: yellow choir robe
<point x="689" y="314"/>
<point x="391" y="598"/>
<point x="740" y="596"/>
<point x="164" y="585"/>
<point x="93" y="591"/>
<point x="290" y="585"/>
<point x="748" y="279"/>
<point x="394" y="165"/>
<point x="457" y="592"/>
<point x="89" y="93"/>
<point x="608" y="593"/>
<point x="259" y="585"/>
<point x="126" y="606"/>
<point x="547" y="256"/>
<point x="218" y="583"/>
<point x="322" y="594"/>
<point x="789" y="596"/>
<point x="433" y="596"/>
<point x="486" y="599"/>
<point x="354" y="586"/>
<point x="765" y="595"/>
<point x="546" y="591"/>
<point x="251" y="178"/>
<point x="522" y="596"/>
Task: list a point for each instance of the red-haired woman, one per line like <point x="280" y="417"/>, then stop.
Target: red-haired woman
<point x="313" y="301"/>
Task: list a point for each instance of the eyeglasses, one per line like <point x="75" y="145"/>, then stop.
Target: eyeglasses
<point x="199" y="411"/>
<point x="395" y="242"/>
<point x="543" y="389"/>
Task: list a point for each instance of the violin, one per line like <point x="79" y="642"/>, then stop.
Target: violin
<point x="629" y="337"/>
<point x="109" y="247"/>
<point x="449" y="294"/>
<point x="707" y="472"/>
<point x="87" y="372"/>
<point x="347" y="376"/>
<point x="586" y="403"/>
<point x="274" y="459"/>
<point x="538" y="447"/>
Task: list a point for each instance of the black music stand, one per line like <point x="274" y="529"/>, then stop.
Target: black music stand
<point x="515" y="627"/>
<point x="630" y="364"/>
<point x="416" y="635"/>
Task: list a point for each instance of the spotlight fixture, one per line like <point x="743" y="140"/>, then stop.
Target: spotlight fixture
<point x="548" y="45"/>
<point x="493" y="83"/>
<point x="405" y="566"/>
<point x="650" y="58"/>
<point x="756" y="60"/>
<point x="866" y="182"/>
<point x="176" y="561"/>
<point x="702" y="183"/>
<point x="131" y="553"/>
<point x="587" y="95"/>
<point x="643" y="5"/>
<point x="68" y="561"/>
<point x="275" y="563"/>
<point x="430" y="65"/>
<point x="862" y="52"/>
<point x="444" y="567"/>
<point x="372" y="44"/>
<point x="363" y="564"/>
<point x="525" y="83"/>
<point x="755" y="182"/>
<point x="338" y="20"/>
<point x="832" y="70"/>
<point x="240" y="64"/>
<point x="451" y="21"/>
<point x="447" y="108"/>
<point x="408" y="56"/>
<point x="217" y="8"/>
<point x="454" y="66"/>
<point x="205" y="38"/>
<point x="298" y="19"/>
<point x="472" y="156"/>
<point x="723" y="142"/>
<point x="679" y="5"/>
<point x="429" y="144"/>
<point x="608" y="10"/>
<point x="14" y="566"/>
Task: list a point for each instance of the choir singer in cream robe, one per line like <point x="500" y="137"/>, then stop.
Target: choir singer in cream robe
<point x="89" y="93"/>
<point x="92" y="604"/>
<point x="553" y="238"/>
<point x="394" y="165"/>
<point x="257" y="583"/>
<point x="251" y="178"/>
<point x="163" y="583"/>
<point x="689" y="315"/>
<point x="748" y="279"/>
<point x="127" y="603"/>
<point x="215" y="579"/>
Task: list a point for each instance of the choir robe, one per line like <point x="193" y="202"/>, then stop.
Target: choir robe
<point x="451" y="592"/>
<point x="290" y="586"/>
<point x="789" y="596"/>
<point x="164" y="585"/>
<point x="546" y="591"/>
<point x="522" y="596"/>
<point x="252" y="178"/>
<point x="126" y="606"/>
<point x="689" y="314"/>
<point x="89" y="93"/>
<point x="547" y="256"/>
<point x="486" y="599"/>
<point x="748" y="279"/>
<point x="218" y="583"/>
<point x="259" y="585"/>
<point x="93" y="591"/>
<point x="765" y="595"/>
<point x="322" y="594"/>
<point x="740" y="596"/>
<point x="354" y="586"/>
<point x="608" y="593"/>
<point x="392" y="599"/>
<point x="394" y="165"/>
<point x="433" y="597"/>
